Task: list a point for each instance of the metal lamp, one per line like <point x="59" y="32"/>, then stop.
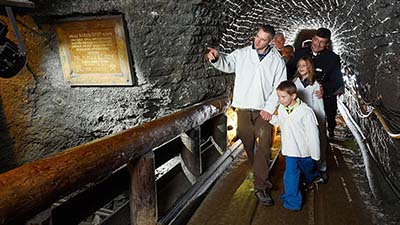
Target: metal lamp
<point x="12" y="56"/>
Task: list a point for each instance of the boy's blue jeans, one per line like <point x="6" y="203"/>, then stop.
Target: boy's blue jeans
<point x="294" y="166"/>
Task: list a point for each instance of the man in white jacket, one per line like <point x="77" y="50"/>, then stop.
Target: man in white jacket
<point x="300" y="143"/>
<point x="259" y="69"/>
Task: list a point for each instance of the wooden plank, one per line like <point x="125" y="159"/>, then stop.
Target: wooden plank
<point x="18" y="3"/>
<point x="219" y="131"/>
<point x="143" y="193"/>
<point x="177" y="213"/>
<point x="167" y="151"/>
<point x="84" y="204"/>
<point x="119" y="217"/>
<point x="122" y="215"/>
<point x="191" y="159"/>
<point x="215" y="146"/>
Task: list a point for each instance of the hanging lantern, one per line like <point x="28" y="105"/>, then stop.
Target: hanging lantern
<point x="12" y="56"/>
<point x="12" y="59"/>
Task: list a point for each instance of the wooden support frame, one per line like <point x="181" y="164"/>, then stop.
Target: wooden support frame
<point x="191" y="155"/>
<point x="176" y="214"/>
<point x="82" y="205"/>
<point x="143" y="191"/>
<point x="219" y="131"/>
<point x="34" y="187"/>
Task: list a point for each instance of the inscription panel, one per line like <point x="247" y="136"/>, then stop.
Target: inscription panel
<point x="93" y="51"/>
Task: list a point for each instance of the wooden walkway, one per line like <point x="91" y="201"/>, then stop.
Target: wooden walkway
<point x="231" y="201"/>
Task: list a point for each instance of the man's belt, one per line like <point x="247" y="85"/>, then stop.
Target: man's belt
<point x="249" y="110"/>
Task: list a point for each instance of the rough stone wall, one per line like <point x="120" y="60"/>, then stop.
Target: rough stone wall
<point x="376" y="48"/>
<point x="40" y="114"/>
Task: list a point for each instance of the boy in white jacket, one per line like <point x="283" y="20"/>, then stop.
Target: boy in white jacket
<point x="300" y="142"/>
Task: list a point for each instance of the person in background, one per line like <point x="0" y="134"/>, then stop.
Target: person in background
<point x="300" y="143"/>
<point x="259" y="69"/>
<point x="287" y="52"/>
<point x="328" y="69"/>
<point x="279" y="41"/>
<point x="306" y="83"/>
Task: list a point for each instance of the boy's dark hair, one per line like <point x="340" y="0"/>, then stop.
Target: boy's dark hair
<point x="268" y="29"/>
<point x="288" y="87"/>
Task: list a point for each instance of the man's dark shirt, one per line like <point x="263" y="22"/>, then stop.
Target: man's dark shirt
<point x="261" y="56"/>
<point x="327" y="66"/>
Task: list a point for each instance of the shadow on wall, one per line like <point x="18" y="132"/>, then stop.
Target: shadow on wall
<point x="7" y="149"/>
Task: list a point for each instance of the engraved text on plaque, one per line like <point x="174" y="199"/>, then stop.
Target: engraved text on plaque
<point x="94" y="51"/>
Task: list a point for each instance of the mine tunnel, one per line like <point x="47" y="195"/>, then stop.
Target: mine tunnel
<point x="111" y="114"/>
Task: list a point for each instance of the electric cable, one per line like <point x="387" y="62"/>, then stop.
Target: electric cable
<point x="366" y="105"/>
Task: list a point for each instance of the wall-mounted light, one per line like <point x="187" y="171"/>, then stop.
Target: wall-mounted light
<point x="12" y="56"/>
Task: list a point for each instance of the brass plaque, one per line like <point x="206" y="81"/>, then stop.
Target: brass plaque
<point x="93" y="51"/>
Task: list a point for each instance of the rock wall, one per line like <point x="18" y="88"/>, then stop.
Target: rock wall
<point x="40" y="114"/>
<point x="375" y="56"/>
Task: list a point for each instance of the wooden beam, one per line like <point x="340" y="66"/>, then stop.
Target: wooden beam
<point x="191" y="159"/>
<point x="143" y="197"/>
<point x="18" y="3"/>
<point x="167" y="151"/>
<point x="84" y="204"/>
<point x="175" y="214"/>
<point x="122" y="215"/>
<point x="219" y="131"/>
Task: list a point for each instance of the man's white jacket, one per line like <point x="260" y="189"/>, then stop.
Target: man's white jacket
<point x="255" y="80"/>
<point x="299" y="132"/>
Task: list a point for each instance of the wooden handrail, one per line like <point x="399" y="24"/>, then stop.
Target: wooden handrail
<point x="29" y="189"/>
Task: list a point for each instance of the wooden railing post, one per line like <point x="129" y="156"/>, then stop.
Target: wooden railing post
<point x="191" y="158"/>
<point x="143" y="193"/>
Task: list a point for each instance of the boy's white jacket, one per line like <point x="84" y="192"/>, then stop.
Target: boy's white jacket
<point x="255" y="80"/>
<point x="299" y="132"/>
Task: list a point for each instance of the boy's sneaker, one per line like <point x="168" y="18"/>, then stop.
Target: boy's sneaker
<point x="317" y="180"/>
<point x="324" y="176"/>
<point x="263" y="197"/>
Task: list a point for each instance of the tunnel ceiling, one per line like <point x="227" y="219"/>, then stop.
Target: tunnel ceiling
<point x="349" y="21"/>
